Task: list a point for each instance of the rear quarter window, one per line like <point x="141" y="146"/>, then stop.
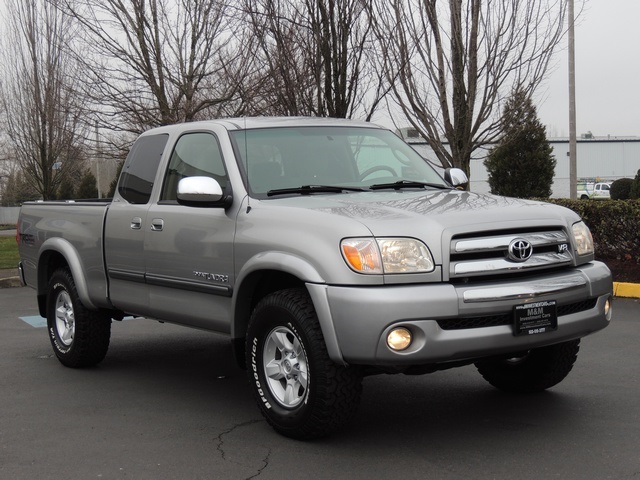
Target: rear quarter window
<point x="140" y="168"/>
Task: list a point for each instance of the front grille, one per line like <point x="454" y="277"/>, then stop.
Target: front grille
<point x="577" y="307"/>
<point x="487" y="254"/>
<point x="464" y="323"/>
<point x="475" y="322"/>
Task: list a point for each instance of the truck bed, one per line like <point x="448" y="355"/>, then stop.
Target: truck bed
<point x="64" y="228"/>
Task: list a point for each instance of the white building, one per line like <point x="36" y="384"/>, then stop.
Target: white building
<point x="599" y="158"/>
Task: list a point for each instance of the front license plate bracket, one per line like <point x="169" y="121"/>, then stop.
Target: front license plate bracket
<point x="535" y="318"/>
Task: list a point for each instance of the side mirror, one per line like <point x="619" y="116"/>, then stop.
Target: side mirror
<point x="201" y="192"/>
<point x="455" y="176"/>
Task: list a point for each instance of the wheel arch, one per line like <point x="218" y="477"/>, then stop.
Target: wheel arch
<point x="267" y="273"/>
<point x="58" y="253"/>
<point x="255" y="286"/>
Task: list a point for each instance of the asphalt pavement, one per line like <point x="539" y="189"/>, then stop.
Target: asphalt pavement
<point x="169" y="402"/>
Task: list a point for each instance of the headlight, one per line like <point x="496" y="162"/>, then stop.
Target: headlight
<point x="387" y="255"/>
<point x="583" y="238"/>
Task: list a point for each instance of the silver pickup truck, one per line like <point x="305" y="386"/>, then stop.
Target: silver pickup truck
<point x="326" y="250"/>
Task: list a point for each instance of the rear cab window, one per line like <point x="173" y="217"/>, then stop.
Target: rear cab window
<point x="140" y="168"/>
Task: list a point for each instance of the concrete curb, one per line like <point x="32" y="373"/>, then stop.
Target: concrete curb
<point x="626" y="290"/>
<point x="10" y="282"/>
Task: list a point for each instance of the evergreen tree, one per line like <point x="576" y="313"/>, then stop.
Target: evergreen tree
<point x="521" y="165"/>
<point x="65" y="191"/>
<point x="87" y="187"/>
<point x="17" y="190"/>
<point x="114" y="182"/>
<point x="635" y="187"/>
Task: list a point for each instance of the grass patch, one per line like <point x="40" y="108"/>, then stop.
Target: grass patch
<point x="9" y="256"/>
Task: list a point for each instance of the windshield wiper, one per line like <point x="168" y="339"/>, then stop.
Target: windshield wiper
<point x="307" y="189"/>
<point x="408" y="184"/>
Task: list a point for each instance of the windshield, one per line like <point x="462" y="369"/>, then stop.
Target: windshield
<point x="277" y="159"/>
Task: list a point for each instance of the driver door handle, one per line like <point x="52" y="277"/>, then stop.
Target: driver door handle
<point x="136" y="223"/>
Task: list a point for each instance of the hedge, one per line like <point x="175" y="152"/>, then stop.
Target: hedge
<point x="614" y="224"/>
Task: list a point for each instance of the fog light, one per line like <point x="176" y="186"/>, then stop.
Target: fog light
<point x="608" y="309"/>
<point x="399" y="339"/>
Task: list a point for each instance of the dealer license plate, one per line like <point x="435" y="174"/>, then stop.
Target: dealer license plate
<point x="535" y="318"/>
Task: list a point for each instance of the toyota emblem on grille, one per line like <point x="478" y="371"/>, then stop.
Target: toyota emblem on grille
<point x="520" y="250"/>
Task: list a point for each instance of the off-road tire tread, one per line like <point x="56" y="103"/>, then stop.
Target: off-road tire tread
<point x="542" y="369"/>
<point x="338" y="388"/>
<point x="92" y="328"/>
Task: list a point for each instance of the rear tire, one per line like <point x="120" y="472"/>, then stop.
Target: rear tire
<point x="79" y="336"/>
<point x="301" y="393"/>
<point x="534" y="371"/>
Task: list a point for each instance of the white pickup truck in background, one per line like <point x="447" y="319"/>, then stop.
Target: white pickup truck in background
<point x="593" y="190"/>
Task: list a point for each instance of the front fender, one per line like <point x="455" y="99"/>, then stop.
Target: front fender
<point x="282" y="262"/>
<point x="250" y="274"/>
<point x="295" y="267"/>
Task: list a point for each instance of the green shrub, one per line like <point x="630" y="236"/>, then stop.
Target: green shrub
<point x="614" y="225"/>
<point x="621" y="189"/>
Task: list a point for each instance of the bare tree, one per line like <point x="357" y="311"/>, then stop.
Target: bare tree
<point x="282" y="58"/>
<point x="157" y="62"/>
<point x="453" y="63"/>
<point x="42" y="107"/>
<point x="318" y="56"/>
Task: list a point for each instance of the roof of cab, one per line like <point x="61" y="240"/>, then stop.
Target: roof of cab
<point x="248" y="123"/>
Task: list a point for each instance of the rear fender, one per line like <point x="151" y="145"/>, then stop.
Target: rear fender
<point x="58" y="252"/>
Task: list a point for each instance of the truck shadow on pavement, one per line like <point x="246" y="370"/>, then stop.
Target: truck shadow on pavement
<point x="198" y="370"/>
<point x="179" y="383"/>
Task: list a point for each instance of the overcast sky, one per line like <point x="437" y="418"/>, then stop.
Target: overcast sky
<point x="607" y="74"/>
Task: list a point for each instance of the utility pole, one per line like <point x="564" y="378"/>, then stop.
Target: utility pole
<point x="97" y="160"/>
<point x="573" y="164"/>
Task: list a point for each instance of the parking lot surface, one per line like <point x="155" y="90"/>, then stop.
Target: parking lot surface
<point x="169" y="402"/>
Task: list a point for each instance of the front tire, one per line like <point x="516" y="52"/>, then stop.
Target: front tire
<point x="533" y="371"/>
<point x="79" y="336"/>
<point x="301" y="393"/>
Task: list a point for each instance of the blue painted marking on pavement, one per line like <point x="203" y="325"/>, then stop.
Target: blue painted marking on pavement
<point x="35" y="321"/>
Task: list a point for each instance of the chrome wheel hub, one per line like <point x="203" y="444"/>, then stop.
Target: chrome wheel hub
<point x="65" y="320"/>
<point x="285" y="367"/>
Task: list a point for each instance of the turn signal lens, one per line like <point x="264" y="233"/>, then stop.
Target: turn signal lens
<point x="399" y="339"/>
<point x="362" y="255"/>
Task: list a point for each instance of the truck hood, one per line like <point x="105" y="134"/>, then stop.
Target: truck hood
<point x="384" y="212"/>
<point x="432" y="216"/>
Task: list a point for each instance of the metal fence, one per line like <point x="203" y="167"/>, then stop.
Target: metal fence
<point x="9" y="215"/>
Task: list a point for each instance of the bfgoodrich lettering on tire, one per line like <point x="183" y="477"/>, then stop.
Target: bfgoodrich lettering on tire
<point x="79" y="337"/>
<point x="300" y="391"/>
